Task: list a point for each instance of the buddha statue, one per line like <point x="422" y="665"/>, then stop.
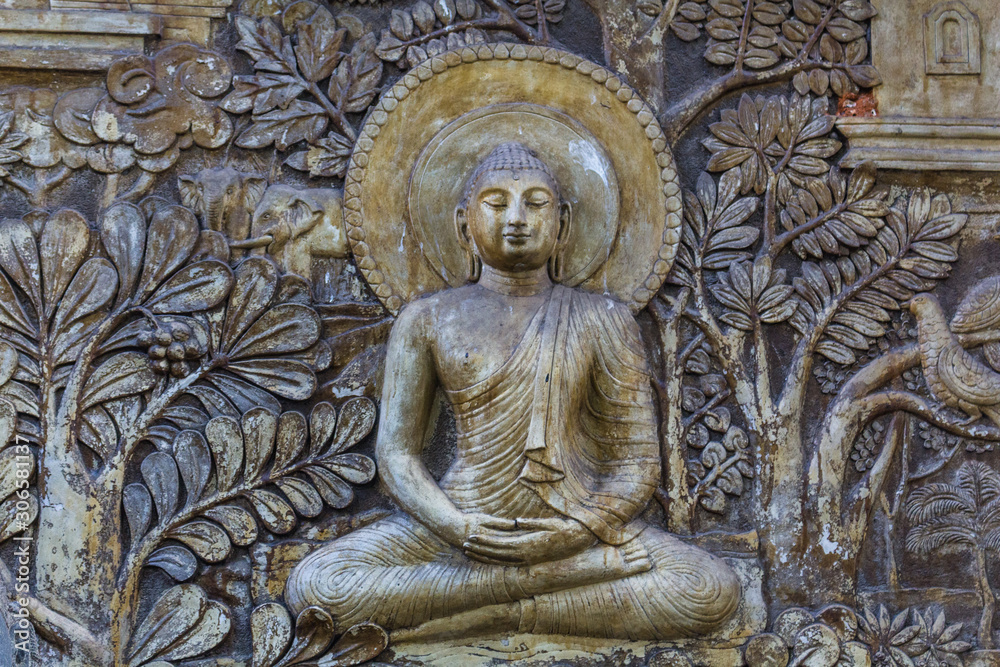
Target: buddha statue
<point x="534" y="528"/>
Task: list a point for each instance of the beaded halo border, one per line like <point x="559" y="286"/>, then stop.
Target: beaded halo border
<point x="502" y="51"/>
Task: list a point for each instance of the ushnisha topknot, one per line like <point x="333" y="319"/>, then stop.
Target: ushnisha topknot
<point x="511" y="156"/>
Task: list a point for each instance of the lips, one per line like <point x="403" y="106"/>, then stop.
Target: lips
<point x="517" y="238"/>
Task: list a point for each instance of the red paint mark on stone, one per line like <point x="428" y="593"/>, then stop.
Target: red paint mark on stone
<point x="860" y="104"/>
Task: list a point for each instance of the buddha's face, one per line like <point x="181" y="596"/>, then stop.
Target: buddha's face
<point x="515" y="219"/>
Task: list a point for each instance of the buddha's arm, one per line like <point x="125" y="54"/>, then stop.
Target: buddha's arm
<point x="407" y="394"/>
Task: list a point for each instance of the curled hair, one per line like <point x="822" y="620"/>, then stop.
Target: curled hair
<point x="511" y="156"/>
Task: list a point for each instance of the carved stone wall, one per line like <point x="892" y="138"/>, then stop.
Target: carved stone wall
<point x="499" y="332"/>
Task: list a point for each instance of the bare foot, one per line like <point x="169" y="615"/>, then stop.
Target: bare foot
<point x="636" y="557"/>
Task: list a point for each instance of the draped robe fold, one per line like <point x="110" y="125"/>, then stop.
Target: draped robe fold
<point x="566" y="427"/>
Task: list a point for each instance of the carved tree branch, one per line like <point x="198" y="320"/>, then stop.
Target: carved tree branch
<point x="861" y="503"/>
<point x="516" y="25"/>
<point x="677" y="501"/>
<point x="785" y="239"/>
<point x="678" y="117"/>
<point x="855" y="406"/>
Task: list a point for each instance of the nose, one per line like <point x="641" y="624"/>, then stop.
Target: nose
<point x="518" y="216"/>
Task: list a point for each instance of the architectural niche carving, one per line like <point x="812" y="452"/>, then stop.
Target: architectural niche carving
<point x="951" y="39"/>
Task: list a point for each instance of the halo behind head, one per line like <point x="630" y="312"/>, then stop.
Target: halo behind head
<point x="434" y="127"/>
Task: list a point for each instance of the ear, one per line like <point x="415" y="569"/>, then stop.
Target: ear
<point x="253" y="190"/>
<point x="462" y="228"/>
<point x="565" y="221"/>
<point x="303" y="214"/>
<point x="190" y="196"/>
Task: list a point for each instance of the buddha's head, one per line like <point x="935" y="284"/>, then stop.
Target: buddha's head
<point x="511" y="216"/>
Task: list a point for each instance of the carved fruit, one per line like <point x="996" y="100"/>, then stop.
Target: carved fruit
<point x="170" y="347"/>
<point x="766" y="650"/>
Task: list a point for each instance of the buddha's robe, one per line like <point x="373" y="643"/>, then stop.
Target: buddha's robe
<point x="566" y="427"/>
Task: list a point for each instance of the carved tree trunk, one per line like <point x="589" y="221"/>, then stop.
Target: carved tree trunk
<point x="633" y="47"/>
<point x="988" y="598"/>
<point x="78" y="547"/>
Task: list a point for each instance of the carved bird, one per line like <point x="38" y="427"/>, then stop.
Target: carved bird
<point x="980" y="311"/>
<point x="954" y="376"/>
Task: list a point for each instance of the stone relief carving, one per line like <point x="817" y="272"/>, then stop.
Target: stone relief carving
<point x="951" y="40"/>
<point x="489" y="332"/>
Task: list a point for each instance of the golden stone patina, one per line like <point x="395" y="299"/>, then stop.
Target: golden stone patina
<point x="534" y="526"/>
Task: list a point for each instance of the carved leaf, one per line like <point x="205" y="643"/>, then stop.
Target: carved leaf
<point x="237" y="521"/>
<point x="287" y="378"/>
<point x="12" y="315"/>
<point x="714" y="500"/>
<point x="214" y="401"/>
<point x="160" y="474"/>
<point x="176" y="611"/>
<point x="243" y="395"/>
<point x="314" y="630"/>
<point x="355" y="81"/>
<point x="19" y="258"/>
<point x="226" y="442"/>
<point x="291" y="441"/>
<point x="194" y="288"/>
<point x="194" y="460"/>
<point x="255" y="285"/>
<point x="9" y="362"/>
<point x="302" y="495"/>
<point x="208" y="633"/>
<point x="318" y="48"/>
<point x="358" y="645"/>
<point x="285" y="328"/>
<point x="273" y="511"/>
<point x="124" y="374"/>
<point x="173" y="232"/>
<point x="138" y="509"/>
<point x="259" y="429"/>
<point x="177" y="561"/>
<point x="262" y="93"/>
<point x="357" y="417"/>
<point x="205" y="538"/>
<point x="81" y="308"/>
<point x="283" y="127"/>
<point x="271" y="630"/>
<point x="185" y="416"/>
<point x="62" y="248"/>
<point x="14" y="518"/>
<point x="335" y="491"/>
<point x="262" y="41"/>
<point x="322" y="422"/>
<point x="8" y="471"/>
<point x="328" y="157"/>
<point x="355" y="468"/>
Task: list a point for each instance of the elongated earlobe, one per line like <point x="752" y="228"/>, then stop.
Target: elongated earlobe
<point x="468" y="245"/>
<point x="557" y="263"/>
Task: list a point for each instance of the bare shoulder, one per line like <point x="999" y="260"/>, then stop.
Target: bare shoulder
<point x="423" y="316"/>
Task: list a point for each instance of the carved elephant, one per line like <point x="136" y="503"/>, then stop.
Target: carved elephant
<point x="302" y="223"/>
<point x="224" y="200"/>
